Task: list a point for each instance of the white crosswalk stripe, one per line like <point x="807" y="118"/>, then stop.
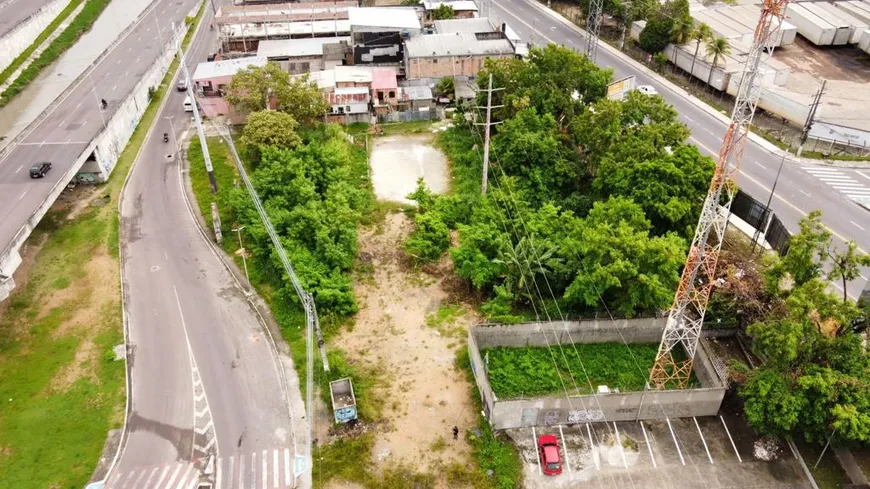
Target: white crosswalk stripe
<point x="843" y="182"/>
<point x="170" y="476"/>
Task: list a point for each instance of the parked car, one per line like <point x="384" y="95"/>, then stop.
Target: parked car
<point x="548" y="449"/>
<point x="647" y="90"/>
<point x="38" y="170"/>
<point x="181" y="85"/>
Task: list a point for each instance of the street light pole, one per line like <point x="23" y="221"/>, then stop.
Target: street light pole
<point x="238" y="231"/>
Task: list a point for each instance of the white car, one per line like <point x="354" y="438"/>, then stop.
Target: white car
<point x="647" y="90"/>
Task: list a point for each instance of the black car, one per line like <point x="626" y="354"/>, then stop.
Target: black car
<point x="38" y="170"/>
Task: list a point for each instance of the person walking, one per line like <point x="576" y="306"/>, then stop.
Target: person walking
<point x="455" y="432"/>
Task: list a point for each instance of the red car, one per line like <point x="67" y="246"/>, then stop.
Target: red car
<point x="548" y="450"/>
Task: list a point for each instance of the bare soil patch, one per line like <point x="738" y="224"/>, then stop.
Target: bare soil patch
<point x="426" y="395"/>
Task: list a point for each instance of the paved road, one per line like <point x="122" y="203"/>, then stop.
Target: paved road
<point x="77" y="119"/>
<point x="205" y="379"/>
<point x="798" y="192"/>
<point x="13" y="12"/>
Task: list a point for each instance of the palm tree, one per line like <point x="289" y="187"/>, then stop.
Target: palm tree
<point x="716" y="47"/>
<point x="681" y="30"/>
<point x="701" y="32"/>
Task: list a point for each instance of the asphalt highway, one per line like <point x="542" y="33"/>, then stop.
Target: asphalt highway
<point x="13" y="12"/>
<point x="797" y="192"/>
<point x="77" y="118"/>
<point x="206" y="380"/>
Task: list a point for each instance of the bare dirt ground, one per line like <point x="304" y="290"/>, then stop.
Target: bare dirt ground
<point x="426" y="395"/>
<point x="398" y="161"/>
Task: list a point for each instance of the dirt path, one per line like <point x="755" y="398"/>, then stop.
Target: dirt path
<point x="426" y="395"/>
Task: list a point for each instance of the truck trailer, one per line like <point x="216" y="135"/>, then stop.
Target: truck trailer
<point x="810" y="26"/>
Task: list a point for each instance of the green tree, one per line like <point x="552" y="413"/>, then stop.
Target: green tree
<point x="619" y="263"/>
<point x="701" y="32"/>
<point x="251" y="87"/>
<point x="717" y="47"/>
<point x="806" y="254"/>
<point x="270" y="128"/>
<point x="846" y="264"/>
<point x="661" y="60"/>
<point x="682" y="28"/>
<point x="430" y="239"/>
<point x="443" y="12"/>
<point x="446" y="87"/>
<point x="656" y="35"/>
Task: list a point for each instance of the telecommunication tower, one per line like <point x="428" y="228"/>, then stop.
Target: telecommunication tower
<point x="693" y="292"/>
<point x="593" y="23"/>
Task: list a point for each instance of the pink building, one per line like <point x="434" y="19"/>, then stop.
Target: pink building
<point x="385" y="89"/>
<point x="210" y="81"/>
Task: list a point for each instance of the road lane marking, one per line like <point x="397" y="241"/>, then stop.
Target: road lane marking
<point x="19" y="168"/>
<point x="162" y="476"/>
<point x="621" y="448"/>
<point x="565" y="449"/>
<point x="139" y="478"/>
<point x="61" y="124"/>
<point x="148" y="480"/>
<point x="863" y="175"/>
<point x="265" y="471"/>
<point x="853" y="223"/>
<point x="183" y="480"/>
<point x="759" y="164"/>
<point x="733" y="445"/>
<point x="287" y="468"/>
<point x="702" y="439"/>
<point x="114" y="87"/>
<point x="218" y="473"/>
<point x="648" y="445"/>
<point x="802" y="191"/>
<point x="275" y="466"/>
<point x="22" y="195"/>
<point x="592" y="444"/>
<point x="676" y="443"/>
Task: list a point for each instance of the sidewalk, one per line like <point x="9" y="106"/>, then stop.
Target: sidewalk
<point x="763" y="143"/>
<point x="25" y="108"/>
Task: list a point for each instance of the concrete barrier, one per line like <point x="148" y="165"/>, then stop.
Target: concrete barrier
<point x="615" y="406"/>
<point x="14" y="42"/>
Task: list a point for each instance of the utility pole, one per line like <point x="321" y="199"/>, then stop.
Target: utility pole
<point x="487" y="125"/>
<point x="238" y="231"/>
<point x="192" y="94"/>
<point x="811" y="115"/>
<point x="593" y="23"/>
<point x="767" y="214"/>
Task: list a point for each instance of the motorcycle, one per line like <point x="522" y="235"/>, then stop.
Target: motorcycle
<point x="165" y="137"/>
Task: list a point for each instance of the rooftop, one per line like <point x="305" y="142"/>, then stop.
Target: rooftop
<point x="458" y="5"/>
<point x="458" y="44"/>
<point x="353" y="74"/>
<point x="384" y="79"/>
<point x="416" y="93"/>
<point x="467" y="26"/>
<point x="389" y="17"/>
<point x="227" y="67"/>
<point x="290" y="48"/>
<point x="286" y="28"/>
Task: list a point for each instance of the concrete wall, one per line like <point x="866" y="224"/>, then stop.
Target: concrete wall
<point x="21" y="37"/>
<point x="623" y="406"/>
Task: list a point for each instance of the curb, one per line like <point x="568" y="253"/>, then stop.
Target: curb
<point x="760" y="141"/>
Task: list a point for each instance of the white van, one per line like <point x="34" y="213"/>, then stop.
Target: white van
<point x="188" y="104"/>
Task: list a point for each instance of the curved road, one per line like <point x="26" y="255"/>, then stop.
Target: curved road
<point x="798" y="191"/>
<point x="205" y="377"/>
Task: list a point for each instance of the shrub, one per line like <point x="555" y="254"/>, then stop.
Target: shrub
<point x="656" y="35"/>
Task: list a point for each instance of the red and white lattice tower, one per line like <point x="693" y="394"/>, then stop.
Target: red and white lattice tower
<point x="690" y="302"/>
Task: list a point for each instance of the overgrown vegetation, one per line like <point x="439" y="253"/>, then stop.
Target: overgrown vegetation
<point x="45" y="34"/>
<point x="573" y="369"/>
<point x="39" y="344"/>
<point x="79" y="25"/>
<point x="813" y="382"/>
<point x="592" y="200"/>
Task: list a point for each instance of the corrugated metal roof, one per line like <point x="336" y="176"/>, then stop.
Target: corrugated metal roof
<point x="355" y="74"/>
<point x="416" y="93"/>
<point x="228" y="67"/>
<point x="470" y="26"/>
<point x="291" y="48"/>
<point x="389" y="17"/>
<point x="458" y="44"/>
<point x="383" y="79"/>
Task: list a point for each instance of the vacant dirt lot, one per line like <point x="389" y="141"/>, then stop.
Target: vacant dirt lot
<point x="425" y="396"/>
<point x="398" y="161"/>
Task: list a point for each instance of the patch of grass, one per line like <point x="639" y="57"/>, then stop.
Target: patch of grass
<point x="438" y="445"/>
<point x="492" y="451"/>
<point x="17" y="62"/>
<point x="369" y="406"/>
<point x="406" y="127"/>
<point x="532" y="371"/>
<point x="79" y="25"/>
<point x="52" y="436"/>
<point x="444" y="319"/>
<point x="829" y="474"/>
<point x="225" y="174"/>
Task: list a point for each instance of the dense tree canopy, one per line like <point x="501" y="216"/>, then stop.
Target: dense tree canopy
<point x="251" y="87"/>
<point x="269" y="128"/>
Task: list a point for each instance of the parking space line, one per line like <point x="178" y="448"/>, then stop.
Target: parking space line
<point x="565" y="449"/>
<point x="592" y="444"/>
<point x="621" y="448"/>
<point x="728" y="432"/>
<point x="648" y="445"/>
<point x="241" y="473"/>
<point x="680" y="452"/>
<point x="706" y="449"/>
<point x="537" y="455"/>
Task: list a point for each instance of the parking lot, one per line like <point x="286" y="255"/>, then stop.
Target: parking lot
<point x="709" y="452"/>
